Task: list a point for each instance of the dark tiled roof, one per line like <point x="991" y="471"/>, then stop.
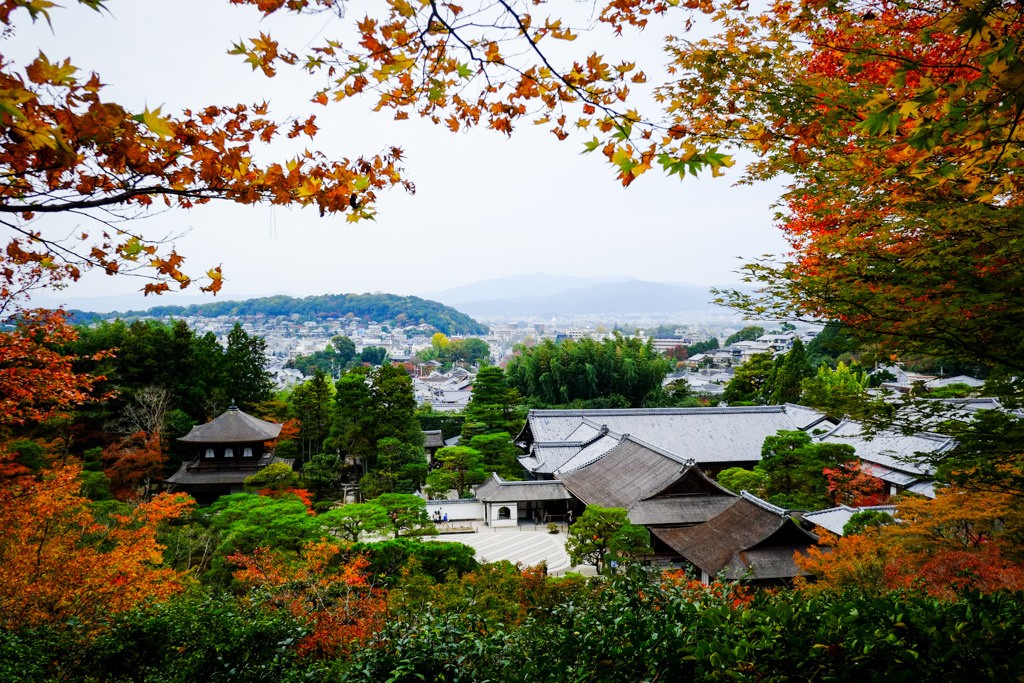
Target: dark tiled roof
<point x="747" y="539"/>
<point x="233" y="426"/>
<point x="190" y="475"/>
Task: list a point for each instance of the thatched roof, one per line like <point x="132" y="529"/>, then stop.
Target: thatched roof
<point x="233" y="426"/>
<point x="751" y="539"/>
<point x="625" y="474"/>
<point x="654" y="487"/>
<point x="432" y="438"/>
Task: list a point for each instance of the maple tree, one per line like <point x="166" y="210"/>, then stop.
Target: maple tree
<point x="134" y="465"/>
<point x="38" y="382"/>
<point x="67" y="149"/>
<point x="326" y="588"/>
<point x="959" y="541"/>
<point x="62" y="561"/>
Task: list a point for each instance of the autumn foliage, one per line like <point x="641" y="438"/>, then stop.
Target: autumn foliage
<point x="62" y="561"/>
<point x="325" y="588"/>
<point x="959" y="541"/>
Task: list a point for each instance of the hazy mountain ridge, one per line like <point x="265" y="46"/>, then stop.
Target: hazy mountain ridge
<point x="631" y="296"/>
<point x="377" y="307"/>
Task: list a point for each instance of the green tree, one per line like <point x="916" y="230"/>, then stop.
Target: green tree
<point x="242" y="522"/>
<point x="407" y="514"/>
<point x="470" y="351"/>
<point x="312" y="404"/>
<point x="373" y="355"/>
<point x="737" y="479"/>
<point x="750" y="381"/>
<point x="749" y="333"/>
<point x="354" y="520"/>
<point x="602" y="534"/>
<point x="862" y="520"/>
<point x="277" y="476"/>
<point x="353" y="429"/>
<point x="836" y="392"/>
<point x="499" y="454"/>
<point x="323" y="473"/>
<point x="614" y="372"/>
<point x="245" y="369"/>
<point x="374" y="404"/>
<point x="492" y="405"/>
<point x="794" y="466"/>
<point x="459" y="468"/>
<point x="400" y="468"/>
<point x="789" y="372"/>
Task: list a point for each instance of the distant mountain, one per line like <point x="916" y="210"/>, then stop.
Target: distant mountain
<point x="379" y="307"/>
<point x="631" y="296"/>
<point x="517" y="286"/>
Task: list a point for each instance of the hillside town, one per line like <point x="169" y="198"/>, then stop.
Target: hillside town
<point x="511" y="342"/>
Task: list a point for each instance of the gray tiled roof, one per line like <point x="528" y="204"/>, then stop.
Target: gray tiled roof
<point x="705" y="435"/>
<point x="890" y="450"/>
<point x="233" y="426"/>
<point x="834" y="519"/>
<point x="498" y="490"/>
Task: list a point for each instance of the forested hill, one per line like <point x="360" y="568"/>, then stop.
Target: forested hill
<point x="378" y="307"/>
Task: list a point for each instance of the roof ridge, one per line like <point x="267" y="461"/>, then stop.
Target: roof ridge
<point x="763" y="504"/>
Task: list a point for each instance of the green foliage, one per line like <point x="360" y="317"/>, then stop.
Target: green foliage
<point x="374" y="404"/>
<point x="751" y="382"/>
<point x="866" y="519"/>
<point x="383" y="308"/>
<point x="450" y="425"/>
<point x="499" y="454"/>
<point x="737" y="479"/>
<point x="247" y="381"/>
<point x="408" y="514"/>
<point x="28" y="454"/>
<point x="242" y="522"/>
<point x="631" y="629"/>
<point x="793" y="468"/>
<point x="196" y="636"/>
<point x="392" y="561"/>
<point x="322" y="473"/>
<point x="749" y="333"/>
<point x="833" y="343"/>
<point x="373" y="355"/>
<point x="604" y="535"/>
<point x="492" y="405"/>
<point x="276" y="476"/>
<point x="835" y="392"/>
<point x="400" y="468"/>
<point x="459" y="468"/>
<point x="311" y="404"/>
<point x="470" y="351"/>
<point x="352" y="521"/>
<point x="701" y="347"/>
<point x="600" y="374"/>
<point x="789" y="372"/>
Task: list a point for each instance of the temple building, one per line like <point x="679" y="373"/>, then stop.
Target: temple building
<point x="229" y="449"/>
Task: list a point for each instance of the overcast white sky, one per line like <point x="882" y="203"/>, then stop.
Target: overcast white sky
<point x="485" y="206"/>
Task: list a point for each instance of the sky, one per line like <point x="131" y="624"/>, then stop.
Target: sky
<point x="486" y="206"/>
